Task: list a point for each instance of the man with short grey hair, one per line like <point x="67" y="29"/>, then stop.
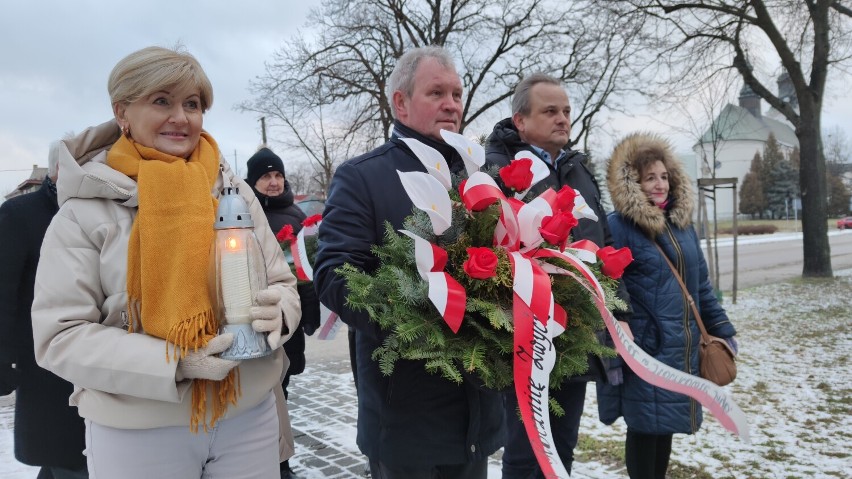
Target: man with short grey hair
<point x="411" y="424"/>
<point x="541" y="124"/>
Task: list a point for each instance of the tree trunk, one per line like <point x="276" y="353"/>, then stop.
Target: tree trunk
<point x="817" y="251"/>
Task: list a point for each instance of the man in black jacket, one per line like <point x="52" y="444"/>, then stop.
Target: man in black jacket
<point x="48" y="432"/>
<point x="541" y="124"/>
<point x="267" y="179"/>
<point x="411" y="424"/>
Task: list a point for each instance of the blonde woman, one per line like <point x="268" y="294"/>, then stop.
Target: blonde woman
<point x="122" y="308"/>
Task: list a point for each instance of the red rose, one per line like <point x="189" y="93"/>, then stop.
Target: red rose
<point x="517" y="175"/>
<point x="565" y="199"/>
<point x="311" y="220"/>
<point x="555" y="229"/>
<point x="285" y="234"/>
<point x="614" y="260"/>
<point x="481" y="263"/>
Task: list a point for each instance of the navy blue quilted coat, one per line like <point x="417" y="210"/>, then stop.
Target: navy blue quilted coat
<point x="662" y="323"/>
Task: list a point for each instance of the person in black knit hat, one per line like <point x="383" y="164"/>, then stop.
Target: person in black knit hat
<point x="266" y="177"/>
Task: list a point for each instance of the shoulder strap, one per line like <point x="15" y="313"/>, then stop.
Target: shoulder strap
<point x="685" y="292"/>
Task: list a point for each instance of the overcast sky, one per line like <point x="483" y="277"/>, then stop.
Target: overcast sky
<point x="55" y="57"/>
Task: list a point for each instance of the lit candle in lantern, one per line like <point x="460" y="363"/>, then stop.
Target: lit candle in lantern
<point x="239" y="273"/>
<point x="236" y="286"/>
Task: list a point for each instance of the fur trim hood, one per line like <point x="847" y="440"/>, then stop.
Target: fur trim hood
<point x="627" y="196"/>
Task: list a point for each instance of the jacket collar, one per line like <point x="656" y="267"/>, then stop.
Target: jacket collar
<point x="448" y="152"/>
<point x="279" y="202"/>
<point x="506" y="133"/>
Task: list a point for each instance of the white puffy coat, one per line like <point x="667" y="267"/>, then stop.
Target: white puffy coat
<point x="122" y="379"/>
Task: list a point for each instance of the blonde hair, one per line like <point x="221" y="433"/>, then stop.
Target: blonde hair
<point x="152" y="69"/>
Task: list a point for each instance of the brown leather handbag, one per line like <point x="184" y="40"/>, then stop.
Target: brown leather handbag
<point x="716" y="361"/>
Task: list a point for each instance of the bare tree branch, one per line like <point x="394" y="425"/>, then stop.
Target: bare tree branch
<point x="337" y="76"/>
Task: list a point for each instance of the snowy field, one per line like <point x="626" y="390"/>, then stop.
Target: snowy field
<point x="794" y="384"/>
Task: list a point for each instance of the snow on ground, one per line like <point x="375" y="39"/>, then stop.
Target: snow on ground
<point x="794" y="383"/>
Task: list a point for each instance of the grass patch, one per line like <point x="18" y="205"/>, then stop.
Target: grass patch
<point x="610" y="452"/>
<point x="690" y="471"/>
<point x="759" y="229"/>
<point x="760" y="387"/>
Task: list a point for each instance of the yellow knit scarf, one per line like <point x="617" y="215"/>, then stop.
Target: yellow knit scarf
<point x="168" y="256"/>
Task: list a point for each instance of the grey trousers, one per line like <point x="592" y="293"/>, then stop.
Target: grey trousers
<point x="241" y="447"/>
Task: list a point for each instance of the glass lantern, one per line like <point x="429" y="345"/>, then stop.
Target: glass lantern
<point x="238" y="274"/>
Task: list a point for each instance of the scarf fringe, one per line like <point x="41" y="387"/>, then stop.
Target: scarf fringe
<point x="193" y="332"/>
<point x="226" y="392"/>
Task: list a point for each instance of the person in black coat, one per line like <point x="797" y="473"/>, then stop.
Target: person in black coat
<point x="411" y="424"/>
<point x="267" y="179"/>
<point x="48" y="432"/>
<point x="541" y="124"/>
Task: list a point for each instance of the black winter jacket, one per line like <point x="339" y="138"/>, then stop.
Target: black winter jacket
<point x="500" y="148"/>
<point x="281" y="211"/>
<point x="48" y="432"/>
<point x="411" y="418"/>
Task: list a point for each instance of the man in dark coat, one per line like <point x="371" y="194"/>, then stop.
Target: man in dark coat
<point x="541" y="124"/>
<point x="48" y="432"/>
<point x="411" y="424"/>
<point x="267" y="179"/>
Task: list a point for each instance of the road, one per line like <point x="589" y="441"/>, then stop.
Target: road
<point x="764" y="260"/>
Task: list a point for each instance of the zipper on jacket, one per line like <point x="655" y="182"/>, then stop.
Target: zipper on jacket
<point x="680" y="264"/>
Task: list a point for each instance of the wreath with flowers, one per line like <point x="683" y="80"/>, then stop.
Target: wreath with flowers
<point x="448" y="286"/>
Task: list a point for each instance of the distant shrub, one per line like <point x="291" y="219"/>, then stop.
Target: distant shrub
<point x="751" y="230"/>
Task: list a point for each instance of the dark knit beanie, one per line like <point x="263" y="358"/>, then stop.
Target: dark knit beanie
<point x="261" y="163"/>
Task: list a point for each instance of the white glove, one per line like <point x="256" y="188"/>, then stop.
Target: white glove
<point x="203" y="364"/>
<point x="268" y="318"/>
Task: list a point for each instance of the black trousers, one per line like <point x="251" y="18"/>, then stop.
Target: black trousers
<point x="647" y="455"/>
<point x="470" y="470"/>
<point x="519" y="460"/>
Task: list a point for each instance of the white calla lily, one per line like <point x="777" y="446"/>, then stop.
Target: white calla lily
<point x="434" y="162"/>
<point x="470" y="151"/>
<point x="530" y="217"/>
<point x="582" y="209"/>
<point x="428" y="194"/>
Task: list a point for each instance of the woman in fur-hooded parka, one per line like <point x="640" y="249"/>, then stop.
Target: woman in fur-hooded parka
<point x="662" y="323"/>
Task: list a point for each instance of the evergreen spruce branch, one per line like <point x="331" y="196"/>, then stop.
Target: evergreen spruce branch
<point x="498" y="317"/>
<point x="481" y="227"/>
<point x="555" y="407"/>
<point x="386" y="355"/>
<point x="457" y="225"/>
<point x="411" y="290"/>
<point x="446" y="368"/>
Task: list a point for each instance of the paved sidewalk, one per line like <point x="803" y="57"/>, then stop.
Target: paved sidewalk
<point x="323" y="413"/>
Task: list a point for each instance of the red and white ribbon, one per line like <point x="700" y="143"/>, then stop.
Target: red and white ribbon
<point x="304" y="269"/>
<point x="534" y="358"/>
<point x="329" y="323"/>
<point x="711" y="396"/>
<point x="445" y="292"/>
<point x="481" y="190"/>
